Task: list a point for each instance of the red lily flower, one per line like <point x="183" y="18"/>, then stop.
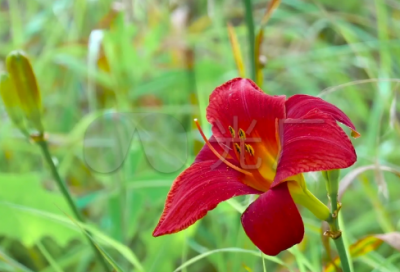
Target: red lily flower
<point x="260" y="145"/>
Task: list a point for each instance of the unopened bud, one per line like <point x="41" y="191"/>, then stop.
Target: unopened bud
<point x="24" y="80"/>
<point x="11" y="101"/>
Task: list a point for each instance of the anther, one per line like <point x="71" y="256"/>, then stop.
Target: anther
<point x="217" y="154"/>
<point x="232" y="131"/>
<point x="250" y="149"/>
<point x="237" y="147"/>
<point x="242" y="134"/>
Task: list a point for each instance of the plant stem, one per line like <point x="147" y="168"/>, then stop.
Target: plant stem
<point x="342" y="254"/>
<point x="334" y="225"/>
<point x="64" y="190"/>
<point x="251" y="37"/>
<point x="332" y="186"/>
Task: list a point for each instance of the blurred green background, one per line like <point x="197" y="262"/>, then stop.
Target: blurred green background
<point x="97" y="61"/>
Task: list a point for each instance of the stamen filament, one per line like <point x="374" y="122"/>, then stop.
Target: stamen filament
<point x="217" y="154"/>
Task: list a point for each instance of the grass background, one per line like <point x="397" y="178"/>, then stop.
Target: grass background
<point x="97" y="62"/>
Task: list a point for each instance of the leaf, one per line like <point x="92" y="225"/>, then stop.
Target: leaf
<point x="392" y="239"/>
<point x="27" y="190"/>
<point x="236" y="51"/>
<point x="103" y="253"/>
<point x="257" y="52"/>
<point x="350" y="177"/>
<point x="200" y="25"/>
<point x="101" y="238"/>
<point x="4" y="258"/>
<point x="206" y="254"/>
<point x="259" y="40"/>
<point x="368" y="244"/>
<point x="274" y="4"/>
<point x="394" y="117"/>
<point x="248" y="269"/>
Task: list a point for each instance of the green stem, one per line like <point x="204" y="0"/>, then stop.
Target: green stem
<point x="64" y="190"/>
<point x="334" y="225"/>
<point x="251" y="37"/>
<point x="332" y="185"/>
<point x="342" y="254"/>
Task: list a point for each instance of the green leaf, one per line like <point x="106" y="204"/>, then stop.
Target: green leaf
<point x="27" y="190"/>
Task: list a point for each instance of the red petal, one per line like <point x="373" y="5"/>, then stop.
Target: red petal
<point x="196" y="191"/>
<point x="240" y="104"/>
<point x="272" y="222"/>
<point x="313" y="142"/>
<point x="300" y="104"/>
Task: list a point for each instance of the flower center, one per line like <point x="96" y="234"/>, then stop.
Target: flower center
<point x="245" y="144"/>
<point x="244" y="151"/>
<point x="219" y="155"/>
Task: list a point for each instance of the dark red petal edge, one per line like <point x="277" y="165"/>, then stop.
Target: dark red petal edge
<point x="314" y="142"/>
<point x="196" y="191"/>
<point x="272" y="222"/>
<point x="300" y="104"/>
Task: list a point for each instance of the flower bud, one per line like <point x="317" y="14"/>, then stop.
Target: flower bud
<point x="11" y="101"/>
<point x="24" y="80"/>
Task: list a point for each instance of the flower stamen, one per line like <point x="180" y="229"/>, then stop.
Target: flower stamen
<point x="250" y="149"/>
<point x="242" y="134"/>
<point x="232" y="131"/>
<point x="217" y="154"/>
<point x="237" y="147"/>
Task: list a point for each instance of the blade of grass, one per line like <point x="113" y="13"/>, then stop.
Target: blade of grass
<point x="95" y="40"/>
<point x="355" y="82"/>
<point x="257" y="52"/>
<point x="106" y="256"/>
<point x="16" y="24"/>
<point x="64" y="190"/>
<point x="48" y="257"/>
<point x="346" y="241"/>
<point x="71" y="258"/>
<point x="236" y="205"/>
<point x="206" y="254"/>
<point x="263" y="262"/>
<point x="101" y="238"/>
<point x="303" y="263"/>
<point x="237" y="54"/>
<point x="8" y="260"/>
<point x="351" y="176"/>
<point x="272" y="5"/>
<point x="383" y="34"/>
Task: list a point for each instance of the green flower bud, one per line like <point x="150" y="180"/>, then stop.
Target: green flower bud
<point x="11" y="102"/>
<point x="24" y="80"/>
